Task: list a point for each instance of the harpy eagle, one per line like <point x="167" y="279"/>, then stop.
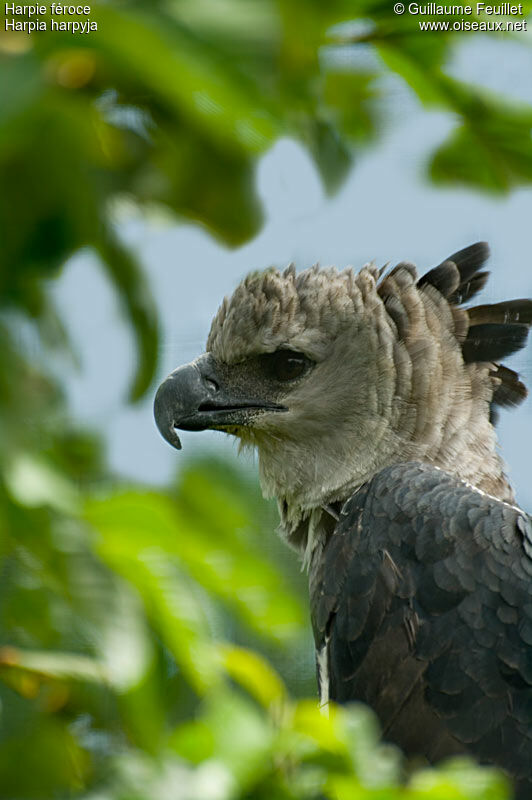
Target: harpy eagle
<point x="370" y="398"/>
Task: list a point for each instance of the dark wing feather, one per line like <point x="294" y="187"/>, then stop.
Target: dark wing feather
<point x="469" y="262"/>
<point x="459" y="277"/>
<point x="511" y="390"/>
<point x="445" y="278"/>
<point x="423" y="595"/>
<point x="492" y="341"/>
<point x="493" y="331"/>
<point x="505" y="312"/>
<point x="468" y="289"/>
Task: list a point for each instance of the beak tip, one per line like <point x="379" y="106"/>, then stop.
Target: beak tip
<point x="164" y="419"/>
<point x="169" y="435"/>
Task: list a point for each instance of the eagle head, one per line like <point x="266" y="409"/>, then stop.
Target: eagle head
<point x="333" y="375"/>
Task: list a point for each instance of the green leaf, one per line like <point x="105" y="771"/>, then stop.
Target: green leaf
<point x="330" y="152"/>
<point x="223" y="553"/>
<point x="33" y="482"/>
<point x="138" y="306"/>
<point x="51" y="665"/>
<point x="50" y="154"/>
<point x="253" y="673"/>
<point x="460" y="779"/>
<point x="202" y="182"/>
<point x="43" y="762"/>
<point x="350" y="100"/>
<point x="492" y="150"/>
<point x="243" y="736"/>
<point x="174" y="65"/>
<point x="208" y="544"/>
<point x="415" y="73"/>
<point x="136" y="533"/>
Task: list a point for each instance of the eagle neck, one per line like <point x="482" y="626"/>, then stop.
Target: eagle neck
<point x="309" y="533"/>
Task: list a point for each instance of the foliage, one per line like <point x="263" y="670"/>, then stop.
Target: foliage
<point x="170" y="104"/>
<point x="123" y="670"/>
<point x="144" y="633"/>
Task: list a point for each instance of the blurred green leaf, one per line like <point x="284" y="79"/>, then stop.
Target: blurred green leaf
<point x="48" y="758"/>
<point x="132" y="546"/>
<point x="51" y="665"/>
<point x="137" y="527"/>
<point x="151" y="48"/>
<point x="138" y="306"/>
<point x="493" y="150"/>
<point x="349" y="99"/>
<point x="460" y="779"/>
<point x="255" y="674"/>
<point x="243" y="737"/>
<point x="34" y="482"/>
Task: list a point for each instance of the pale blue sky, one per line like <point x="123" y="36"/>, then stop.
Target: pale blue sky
<point x="385" y="211"/>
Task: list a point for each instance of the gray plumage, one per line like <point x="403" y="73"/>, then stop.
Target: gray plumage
<point x="370" y="399"/>
<point x="423" y="594"/>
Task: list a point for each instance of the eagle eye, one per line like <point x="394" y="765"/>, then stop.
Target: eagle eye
<point x="286" y="365"/>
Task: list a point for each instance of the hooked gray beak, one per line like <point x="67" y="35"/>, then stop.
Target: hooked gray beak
<point x="192" y="398"/>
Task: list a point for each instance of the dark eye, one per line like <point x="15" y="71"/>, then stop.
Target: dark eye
<point x="286" y="365"/>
